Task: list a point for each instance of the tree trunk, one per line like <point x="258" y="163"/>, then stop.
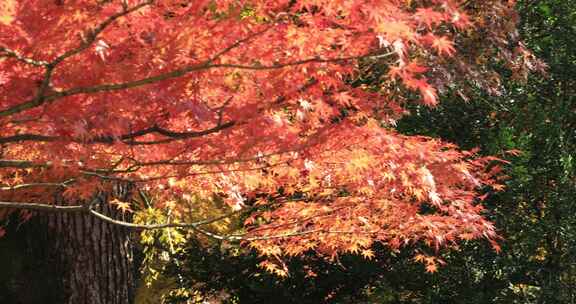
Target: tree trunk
<point x="79" y="258"/>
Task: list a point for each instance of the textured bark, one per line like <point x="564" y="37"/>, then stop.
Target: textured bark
<point x="77" y="258"/>
<point x="96" y="258"/>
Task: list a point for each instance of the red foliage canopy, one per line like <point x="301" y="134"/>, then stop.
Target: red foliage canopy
<point x="241" y="98"/>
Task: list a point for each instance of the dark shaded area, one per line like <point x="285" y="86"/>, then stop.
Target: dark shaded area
<point x="27" y="276"/>
<point x="235" y="277"/>
<point x="68" y="258"/>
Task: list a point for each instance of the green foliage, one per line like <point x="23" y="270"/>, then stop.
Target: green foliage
<point x="535" y="213"/>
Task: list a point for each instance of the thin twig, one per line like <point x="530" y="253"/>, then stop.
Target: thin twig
<point x="31" y="185"/>
<point x="6" y="52"/>
<point x="22" y="164"/>
<point x="42" y="207"/>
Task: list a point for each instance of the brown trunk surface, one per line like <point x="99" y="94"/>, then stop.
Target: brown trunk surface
<point x="73" y="258"/>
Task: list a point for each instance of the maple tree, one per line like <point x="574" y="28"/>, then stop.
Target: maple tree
<point x="255" y="102"/>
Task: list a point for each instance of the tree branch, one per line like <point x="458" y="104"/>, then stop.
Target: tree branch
<point x="206" y="65"/>
<point x="13" y="54"/>
<point x="258" y="67"/>
<point x="30" y="185"/>
<point x="154" y="178"/>
<point x="21" y="164"/>
<point x="27" y="137"/>
<point x="42" y="207"/>
<point x="126" y="138"/>
<point x="194" y="226"/>
<point x="295" y="234"/>
<point x="185" y="70"/>
<point x="92" y="35"/>
<point x="214" y="162"/>
<point x="231" y="238"/>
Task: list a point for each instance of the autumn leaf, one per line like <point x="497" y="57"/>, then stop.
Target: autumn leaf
<point x="443" y="45"/>
<point x="495" y="246"/>
<point x="431" y="268"/>
<point x="254" y="110"/>
<point x="359" y="160"/>
<point x="428" y="16"/>
<point x="513" y="152"/>
<point x="122" y="206"/>
<point x="367" y="254"/>
<point x="429" y="95"/>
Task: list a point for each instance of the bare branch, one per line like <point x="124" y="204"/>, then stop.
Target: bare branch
<point x="27" y="137"/>
<point x="301" y="220"/>
<point x="275" y="66"/>
<point x="193" y="68"/>
<point x="237" y="44"/>
<point x="184" y="135"/>
<point x="222" y="108"/>
<point x="93" y="33"/>
<point x="126" y="138"/>
<point x="161" y="177"/>
<point x="21" y="164"/>
<point x="193" y="226"/>
<point x="208" y="162"/>
<point x="42" y="207"/>
<point x="295" y="234"/>
<point x="164" y="225"/>
<point x="6" y="52"/>
<point x="206" y="65"/>
<point x="231" y="238"/>
<point x="31" y="185"/>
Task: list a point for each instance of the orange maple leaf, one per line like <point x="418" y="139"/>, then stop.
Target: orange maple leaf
<point x="428" y="16"/>
<point x="431" y="268"/>
<point x="442" y="44"/>
<point x="122" y="206"/>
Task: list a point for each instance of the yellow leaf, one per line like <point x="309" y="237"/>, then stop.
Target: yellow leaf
<point x="419" y="258"/>
<point x="360" y="160"/>
<point x="120" y="205"/>
<point x="368" y="254"/>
